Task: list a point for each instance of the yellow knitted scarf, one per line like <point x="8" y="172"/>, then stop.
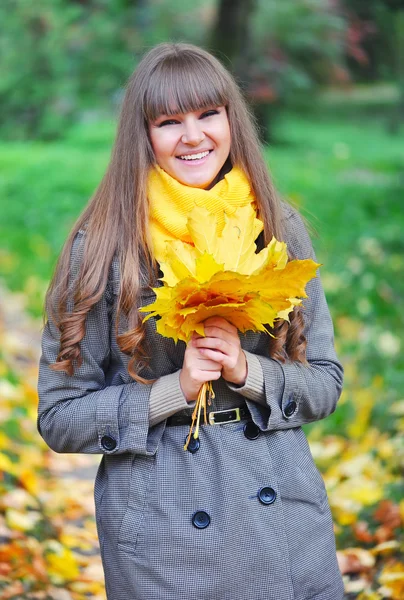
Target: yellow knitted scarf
<point x="170" y="203"/>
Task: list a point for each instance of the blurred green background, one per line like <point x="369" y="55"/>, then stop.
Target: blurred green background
<point x="325" y="79"/>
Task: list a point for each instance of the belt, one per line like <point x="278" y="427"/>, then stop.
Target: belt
<point x="215" y="417"/>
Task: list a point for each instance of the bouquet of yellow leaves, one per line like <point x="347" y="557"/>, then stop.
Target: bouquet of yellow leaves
<point x="222" y="275"/>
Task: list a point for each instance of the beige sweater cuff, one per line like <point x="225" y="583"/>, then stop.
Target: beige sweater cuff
<point x="166" y="398"/>
<point x="254" y="387"/>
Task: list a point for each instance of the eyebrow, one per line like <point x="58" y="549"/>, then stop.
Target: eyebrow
<point x="178" y="113"/>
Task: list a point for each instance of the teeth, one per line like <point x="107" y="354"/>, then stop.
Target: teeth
<point x="194" y="156"/>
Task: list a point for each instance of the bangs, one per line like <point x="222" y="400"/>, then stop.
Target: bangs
<point x="183" y="84"/>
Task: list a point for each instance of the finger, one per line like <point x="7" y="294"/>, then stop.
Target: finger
<point x="215" y="375"/>
<point x="195" y="336"/>
<point x="210" y="364"/>
<point x="221" y="323"/>
<point x="216" y="333"/>
<point x="213" y="343"/>
<point x="195" y="353"/>
<point x="201" y="375"/>
<point x="205" y="363"/>
<point x="216" y="356"/>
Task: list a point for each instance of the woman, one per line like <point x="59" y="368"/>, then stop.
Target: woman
<point x="244" y="512"/>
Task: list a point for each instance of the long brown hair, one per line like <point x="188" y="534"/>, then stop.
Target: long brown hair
<point x="171" y="78"/>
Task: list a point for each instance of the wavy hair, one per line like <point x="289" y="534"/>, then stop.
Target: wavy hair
<point x="170" y="78"/>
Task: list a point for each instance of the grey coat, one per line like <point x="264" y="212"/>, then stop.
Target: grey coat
<point x="148" y="488"/>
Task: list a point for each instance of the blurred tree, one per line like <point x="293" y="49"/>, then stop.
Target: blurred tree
<point x="66" y="59"/>
<point x="375" y="43"/>
<point x="370" y="46"/>
<point x="57" y="56"/>
<point x="293" y="47"/>
<point x="397" y="6"/>
<point x="29" y="58"/>
<point x="231" y="33"/>
<point x="74" y="56"/>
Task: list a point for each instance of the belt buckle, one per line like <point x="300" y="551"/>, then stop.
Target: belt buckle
<point x="221" y="415"/>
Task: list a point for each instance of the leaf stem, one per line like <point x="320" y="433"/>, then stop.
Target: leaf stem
<point x="205" y="392"/>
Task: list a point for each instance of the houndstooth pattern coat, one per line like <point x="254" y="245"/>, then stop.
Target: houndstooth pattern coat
<point x="263" y="528"/>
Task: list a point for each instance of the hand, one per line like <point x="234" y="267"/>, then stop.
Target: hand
<point x="196" y="370"/>
<point x="221" y="344"/>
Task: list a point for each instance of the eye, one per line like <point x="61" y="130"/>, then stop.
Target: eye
<point x="168" y="122"/>
<point x="209" y="113"/>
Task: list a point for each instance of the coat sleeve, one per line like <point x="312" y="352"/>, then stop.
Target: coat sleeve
<point x="295" y="394"/>
<point x="84" y="412"/>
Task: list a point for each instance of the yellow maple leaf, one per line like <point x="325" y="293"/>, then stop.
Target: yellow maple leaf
<point x="179" y="262"/>
<point x="6" y="464"/>
<point x="236" y="246"/>
<point x="22" y="520"/>
<point x="392" y="580"/>
<point x="223" y="275"/>
<point x="206" y="267"/>
<point x="61" y="563"/>
<point x="205" y="238"/>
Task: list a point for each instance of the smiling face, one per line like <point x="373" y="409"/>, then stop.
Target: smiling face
<point x="192" y="147"/>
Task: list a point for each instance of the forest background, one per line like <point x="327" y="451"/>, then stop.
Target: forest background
<point x="326" y="81"/>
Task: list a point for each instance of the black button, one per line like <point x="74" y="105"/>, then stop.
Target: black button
<point x="251" y="430"/>
<point x="200" y="519"/>
<point x="290" y="408"/>
<point x="193" y="445"/>
<point x="108" y="442"/>
<point x="266" y="495"/>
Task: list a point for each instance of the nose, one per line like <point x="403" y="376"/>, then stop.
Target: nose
<point x="193" y="132"/>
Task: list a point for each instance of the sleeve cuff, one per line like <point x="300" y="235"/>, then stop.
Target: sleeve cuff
<point x="166" y="398"/>
<point x="253" y="388"/>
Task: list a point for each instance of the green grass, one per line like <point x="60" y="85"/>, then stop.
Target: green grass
<point x="345" y="174"/>
<point x="347" y="178"/>
<point x="43" y="188"/>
